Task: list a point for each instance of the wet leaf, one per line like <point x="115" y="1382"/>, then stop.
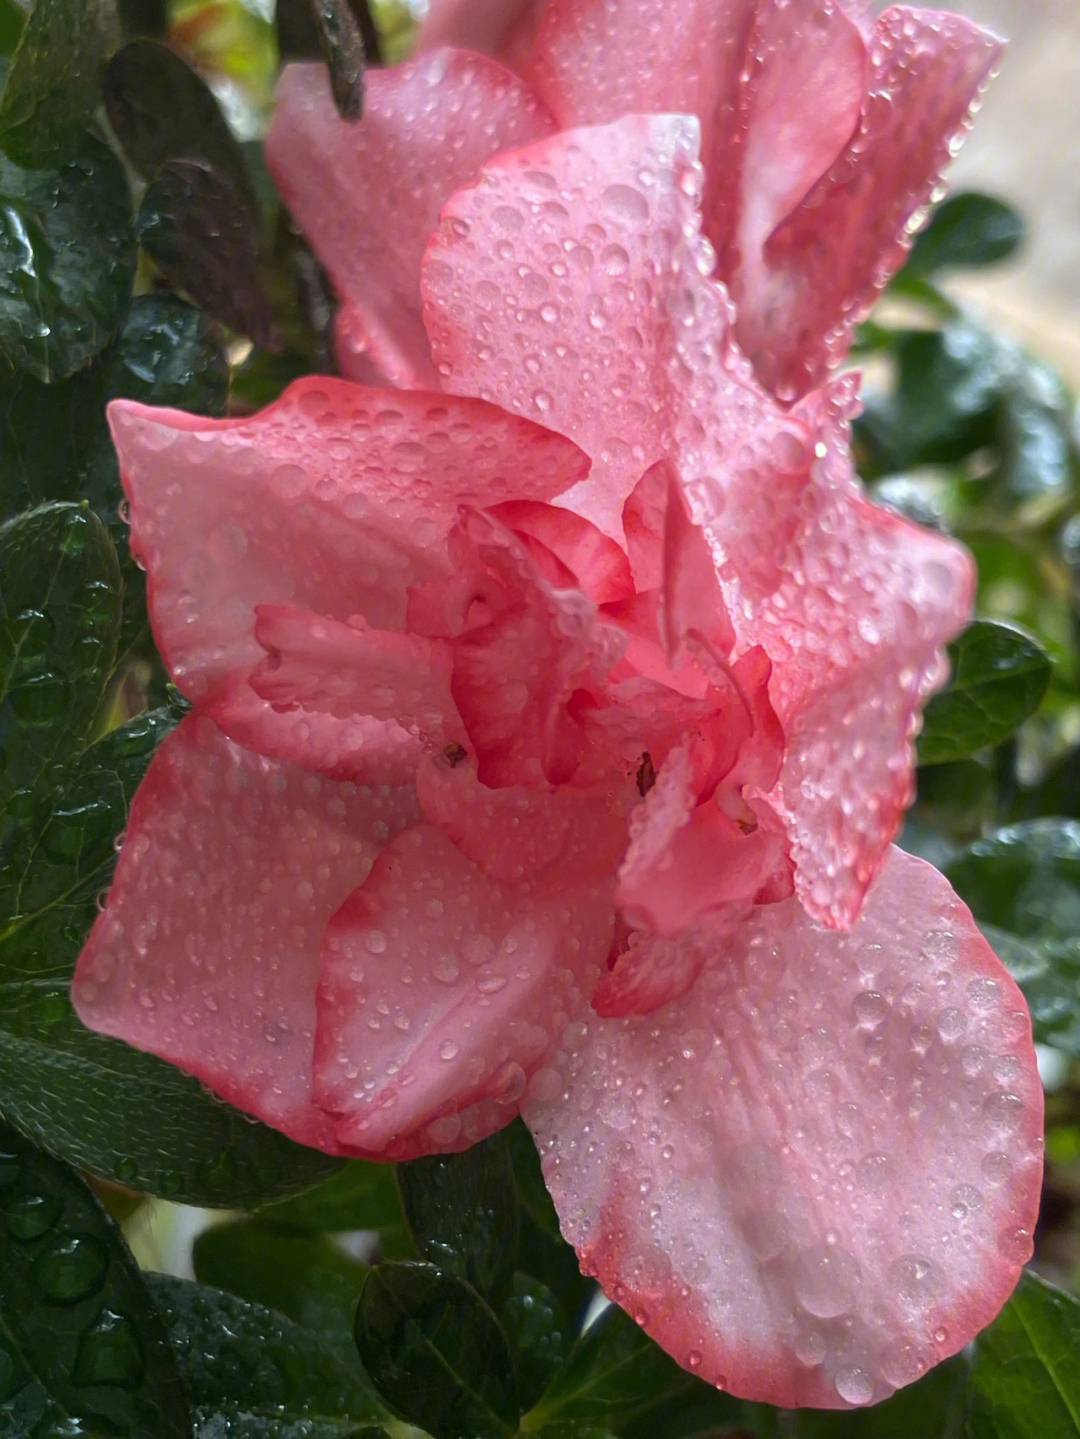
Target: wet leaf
<point x="82" y="1350"/>
<point x="543" y="1252"/>
<point x="204" y="236"/>
<point x="539" y="1333"/>
<point x="999" y="677"/>
<point x="436" y="1353"/>
<point x="463" y="1213"/>
<point x="54" y="80"/>
<point x="59" y="621"/>
<point x="253" y="1374"/>
<point x="361" y="1195"/>
<point x="67" y="259"/>
<point x="1025" y="1380"/>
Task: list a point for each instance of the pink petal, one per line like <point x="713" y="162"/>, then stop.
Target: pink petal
<point x="815" y="1175"/>
<point x="652" y="971"/>
<point x="351" y="670"/>
<point x="335" y="499"/>
<point x="441" y="988"/>
<point x="598" y="566"/>
<point x="541" y="825"/>
<point x="368" y="195"/>
<point x="207" y="952"/>
<point x="825" y="264"/>
<point x="494" y="27"/>
<point x="550" y="287"/>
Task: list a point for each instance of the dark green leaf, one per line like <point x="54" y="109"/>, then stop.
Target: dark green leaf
<point x="67" y="258"/>
<point x="543" y="1252"/>
<point x="616" y="1375"/>
<point x="999" y="677"/>
<point x="143" y="17"/>
<point x="968" y="230"/>
<point x="436" y="1353"/>
<point x="59" y="621"/>
<point x="113" y="1110"/>
<point x="1025" y="1381"/>
<point x="1023" y="886"/>
<point x="1034" y="432"/>
<point x="539" y="1333"/>
<point x="205" y="238"/>
<point x="12" y="20"/>
<point x="82" y="1350"/>
<point x="572" y="1430"/>
<point x="304" y="1276"/>
<point x="161" y="111"/>
<point x="253" y="1374"/>
<point x="55" y="76"/>
<point x="298" y="34"/>
<point x="361" y="1195"/>
<point x="343" y="49"/>
<point x="463" y="1213"/>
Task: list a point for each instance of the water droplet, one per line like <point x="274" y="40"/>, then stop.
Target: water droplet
<point x="29" y="1216"/>
<point x="917" y="1282"/>
<point x="109" y="1353"/>
<point x="871" y="1008"/>
<point x="71" y="1268"/>
<point x="854" y="1385"/>
<point x="626" y="203"/>
<point x="693" y="1359"/>
<point x="449" y="1049"/>
<point x="826" y="1277"/>
<point x="375" y="941"/>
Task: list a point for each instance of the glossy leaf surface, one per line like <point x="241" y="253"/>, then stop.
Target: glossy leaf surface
<point x="1025" y="1380"/>
<point x="967" y="230"/>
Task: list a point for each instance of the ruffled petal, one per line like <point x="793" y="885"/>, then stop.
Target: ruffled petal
<point x="824" y="265"/>
<point x="816" y="1175"/>
<point x="442" y="988"/>
<point x="551" y="288"/>
<point x="352" y="670"/>
<point x="207" y="953"/>
<point x="596" y="564"/>
<point x="368" y="195"/>
<point x="335" y="499"/>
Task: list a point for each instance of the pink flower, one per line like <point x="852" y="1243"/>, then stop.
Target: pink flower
<point x="511" y="790"/>
<point x="823" y="136"/>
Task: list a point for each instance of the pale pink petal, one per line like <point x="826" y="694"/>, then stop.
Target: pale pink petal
<point x="441" y="988"/>
<point x="334" y="499"/>
<point x="815" y="1175"/>
<point x="504" y="28"/>
<point x="207" y="952"/>
<point x="367" y="195"/>
<point x="853" y="617"/>
<point x="514" y="833"/>
<point x="351" y="671"/>
<point x="824" y="265"/>
<point x="598" y="565"/>
<point x="552" y="288"/>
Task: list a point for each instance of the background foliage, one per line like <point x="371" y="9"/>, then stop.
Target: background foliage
<point x="143" y="253"/>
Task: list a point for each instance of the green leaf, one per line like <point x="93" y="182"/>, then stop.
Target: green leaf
<point x="436" y="1353"/>
<point x="999" y="677"/>
<point x="1025" y="1380"/>
<point x="968" y="230"/>
<point x="616" y="1375"/>
<point x="298" y="34"/>
<point x="463" y="1213"/>
<point x="252" y="1374"/>
<point x="59" y="621"/>
<point x="113" y="1110"/>
<point x="361" y="1195"/>
<point x="161" y="110"/>
<point x="539" y="1333"/>
<point x="342" y="45"/>
<point x="67" y="259"/>
<point x="82" y="1350"/>
<point x="543" y="1252"/>
<point x="304" y="1276"/>
<point x="1023" y="886"/>
<point x="55" y="76"/>
<point x="204" y="236"/>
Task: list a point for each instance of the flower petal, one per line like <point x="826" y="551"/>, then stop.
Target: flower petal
<point x="335" y="499"/>
<point x="207" y="952"/>
<point x="825" y="264"/>
<point x="368" y="195"/>
<point x="352" y="670"/>
<point x="580" y="341"/>
<point x="815" y="1175"/>
<point x="598" y="566"/>
<point x="441" y="988"/>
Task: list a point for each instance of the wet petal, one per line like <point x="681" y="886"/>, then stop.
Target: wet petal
<point x="368" y="195"/>
<point x="815" y="1175"/>
<point x="441" y="988"/>
<point x="334" y="499"/>
<point x="207" y="953"/>
<point x="824" y="265"/>
<point x="598" y="566"/>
